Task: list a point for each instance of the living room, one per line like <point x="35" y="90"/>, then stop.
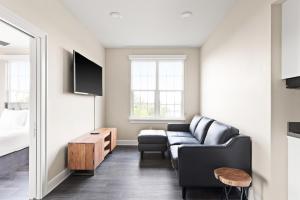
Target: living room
<point x="216" y="74"/>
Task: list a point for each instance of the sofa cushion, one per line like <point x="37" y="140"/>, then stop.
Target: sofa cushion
<point x="219" y="133"/>
<point x="152" y="137"/>
<point x="202" y="129"/>
<point x="194" y="123"/>
<point x="178" y="134"/>
<point x="182" y="140"/>
<point x="174" y="155"/>
<point x="178" y="127"/>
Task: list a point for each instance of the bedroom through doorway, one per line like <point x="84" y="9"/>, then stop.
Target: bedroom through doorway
<point x="15" y="96"/>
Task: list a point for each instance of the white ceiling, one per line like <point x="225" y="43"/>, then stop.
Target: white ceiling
<point x="150" y="22"/>
<point x="17" y="39"/>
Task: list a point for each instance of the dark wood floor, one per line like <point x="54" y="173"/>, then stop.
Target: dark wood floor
<point x="122" y="176"/>
<point x="15" y="186"/>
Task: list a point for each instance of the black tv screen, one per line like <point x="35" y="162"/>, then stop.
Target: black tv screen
<point x="87" y="76"/>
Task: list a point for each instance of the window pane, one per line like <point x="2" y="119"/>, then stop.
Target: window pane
<point x="171" y="75"/>
<point x="143" y="103"/>
<point x="18" y="81"/>
<point x="170" y="104"/>
<point x="143" y="75"/>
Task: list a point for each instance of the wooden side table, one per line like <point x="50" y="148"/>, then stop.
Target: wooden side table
<point x="231" y="177"/>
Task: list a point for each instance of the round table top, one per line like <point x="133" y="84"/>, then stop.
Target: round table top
<point x="233" y="177"/>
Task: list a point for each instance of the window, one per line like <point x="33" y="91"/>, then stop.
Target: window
<point x="18" y="81"/>
<point x="157" y="87"/>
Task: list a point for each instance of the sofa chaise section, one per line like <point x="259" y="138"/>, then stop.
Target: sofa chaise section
<point x="196" y="163"/>
<point x="212" y="145"/>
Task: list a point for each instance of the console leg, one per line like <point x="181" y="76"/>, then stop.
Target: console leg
<point x="142" y="155"/>
<point x="183" y="192"/>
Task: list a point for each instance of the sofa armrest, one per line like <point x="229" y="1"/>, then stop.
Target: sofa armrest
<point x="196" y="163"/>
<point x="178" y="127"/>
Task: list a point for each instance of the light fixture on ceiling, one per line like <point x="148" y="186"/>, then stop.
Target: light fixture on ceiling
<point x="116" y="15"/>
<point x="186" y="14"/>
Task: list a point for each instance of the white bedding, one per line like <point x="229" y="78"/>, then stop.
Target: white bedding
<point x="13" y="140"/>
<point x="14" y="131"/>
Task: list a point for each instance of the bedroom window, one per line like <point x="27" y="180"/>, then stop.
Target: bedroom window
<point x="18" y="81"/>
<point x="157" y="87"/>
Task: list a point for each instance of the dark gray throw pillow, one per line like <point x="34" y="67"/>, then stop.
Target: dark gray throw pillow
<point x="194" y="123"/>
<point x="202" y="128"/>
<point x="219" y="133"/>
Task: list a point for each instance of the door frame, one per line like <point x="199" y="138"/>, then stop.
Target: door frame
<point x="38" y="105"/>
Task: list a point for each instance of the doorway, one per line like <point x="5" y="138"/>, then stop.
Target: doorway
<point x="15" y="112"/>
<point x="25" y="92"/>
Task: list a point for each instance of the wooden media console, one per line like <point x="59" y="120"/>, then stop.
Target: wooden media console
<point x="85" y="153"/>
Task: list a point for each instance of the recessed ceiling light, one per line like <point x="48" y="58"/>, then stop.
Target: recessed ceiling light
<point x="116" y="15"/>
<point x="186" y="14"/>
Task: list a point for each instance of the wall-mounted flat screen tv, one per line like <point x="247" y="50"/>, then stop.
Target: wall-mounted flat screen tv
<point x="87" y="76"/>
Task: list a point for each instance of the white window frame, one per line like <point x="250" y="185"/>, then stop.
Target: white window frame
<point x="157" y="118"/>
<point x="7" y="59"/>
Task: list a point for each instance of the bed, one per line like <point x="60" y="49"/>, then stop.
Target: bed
<point x="14" y="140"/>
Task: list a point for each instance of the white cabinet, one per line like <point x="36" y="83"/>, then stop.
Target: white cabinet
<point x="291" y="39"/>
<point x="293" y="168"/>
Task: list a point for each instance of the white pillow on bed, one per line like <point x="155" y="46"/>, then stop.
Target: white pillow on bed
<point x="13" y="119"/>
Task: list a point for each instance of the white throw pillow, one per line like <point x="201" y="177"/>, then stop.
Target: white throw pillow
<point x="12" y="119"/>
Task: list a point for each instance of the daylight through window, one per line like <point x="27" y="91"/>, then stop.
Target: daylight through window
<point x="157" y="86"/>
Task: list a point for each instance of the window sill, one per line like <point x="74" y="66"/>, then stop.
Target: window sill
<point x="134" y="120"/>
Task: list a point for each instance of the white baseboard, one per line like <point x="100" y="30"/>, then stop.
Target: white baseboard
<point x="58" y="179"/>
<point x="127" y="142"/>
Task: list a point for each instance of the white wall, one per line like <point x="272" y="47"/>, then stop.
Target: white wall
<point x="241" y="64"/>
<point x="14" y="51"/>
<point x="69" y="115"/>
<point x="118" y="87"/>
<point x="2" y="85"/>
<point x="285" y="108"/>
<point x="236" y="81"/>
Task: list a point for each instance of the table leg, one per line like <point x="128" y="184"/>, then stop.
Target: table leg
<point x="244" y="193"/>
<point x="227" y="192"/>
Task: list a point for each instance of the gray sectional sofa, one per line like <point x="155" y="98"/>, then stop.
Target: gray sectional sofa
<point x="205" y="144"/>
